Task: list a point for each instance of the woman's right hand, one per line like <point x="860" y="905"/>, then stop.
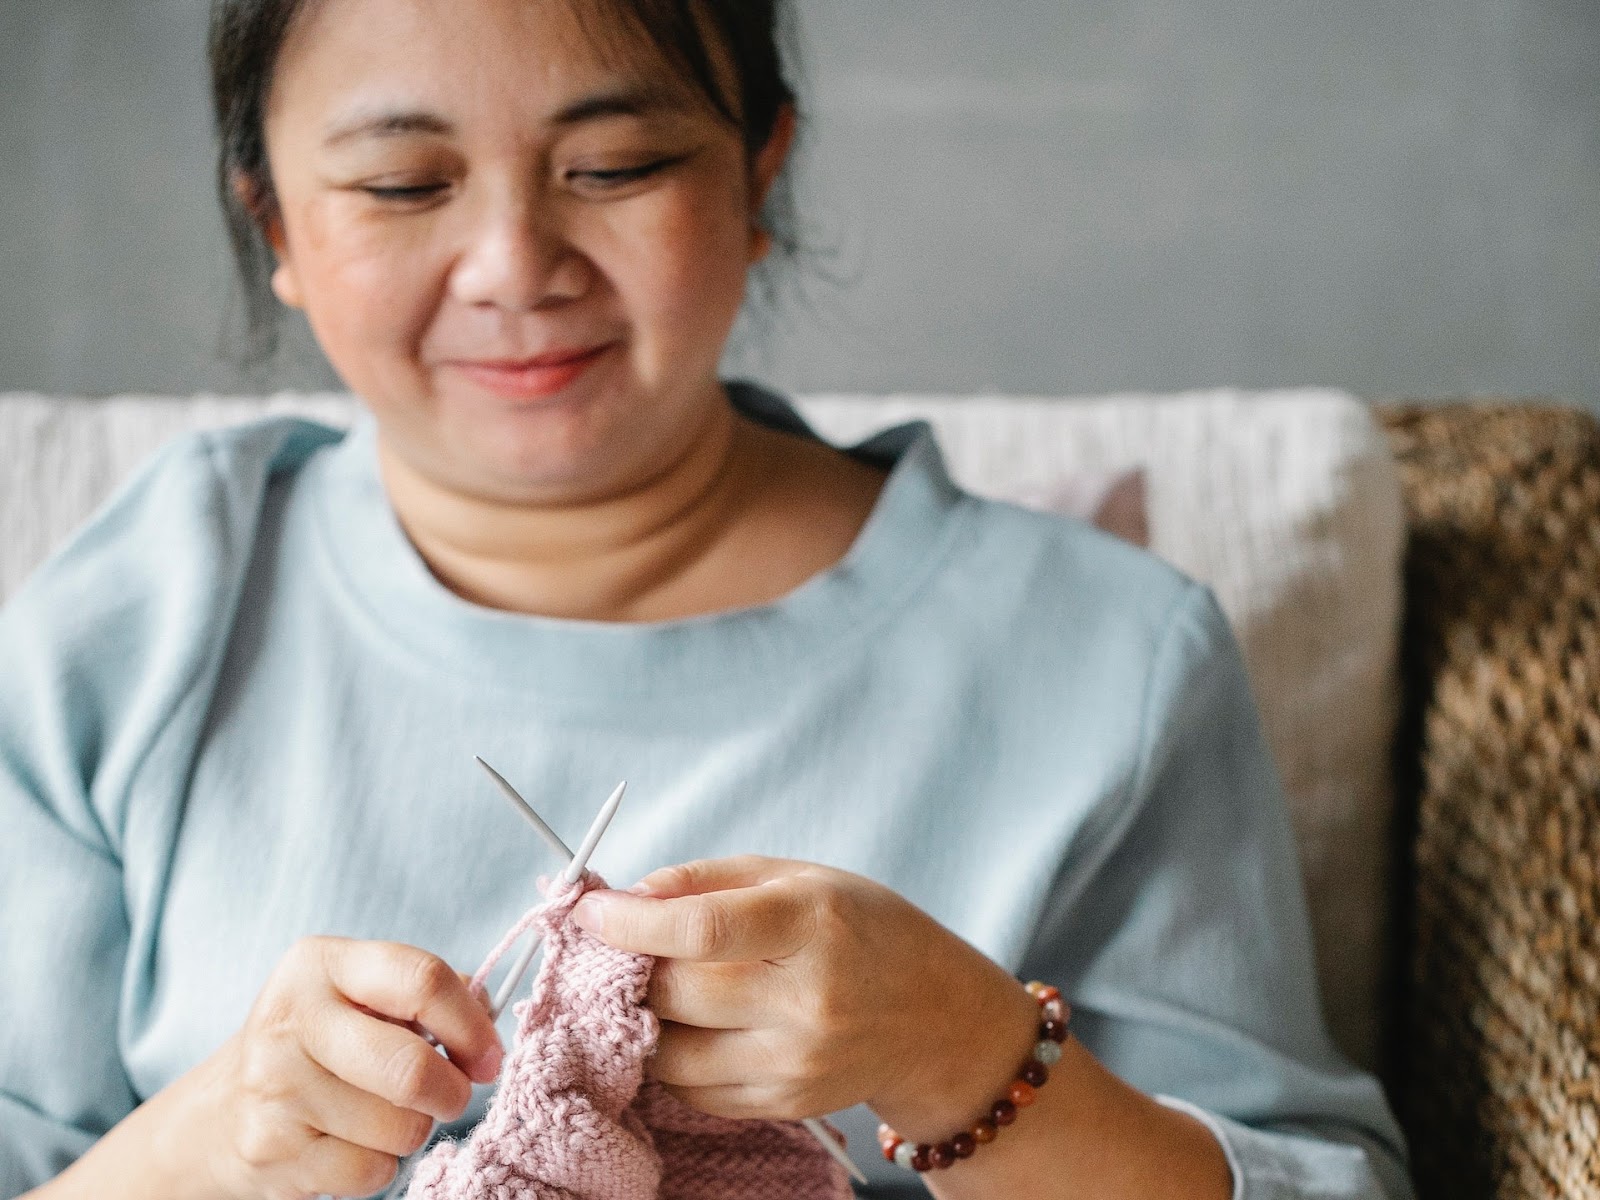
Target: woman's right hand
<point x="330" y="1081"/>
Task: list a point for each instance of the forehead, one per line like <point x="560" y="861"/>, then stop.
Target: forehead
<point x="515" y="59"/>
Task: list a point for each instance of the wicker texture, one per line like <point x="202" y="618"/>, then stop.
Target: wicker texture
<point x="1499" y="1064"/>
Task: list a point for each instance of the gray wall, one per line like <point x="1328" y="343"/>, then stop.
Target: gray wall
<point x="1400" y="197"/>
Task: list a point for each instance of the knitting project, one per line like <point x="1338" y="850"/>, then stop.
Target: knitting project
<point x="574" y="1119"/>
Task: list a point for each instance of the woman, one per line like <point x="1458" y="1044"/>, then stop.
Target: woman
<point x="241" y="704"/>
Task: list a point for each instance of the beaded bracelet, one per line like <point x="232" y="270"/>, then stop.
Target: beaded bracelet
<point x="1054" y="1013"/>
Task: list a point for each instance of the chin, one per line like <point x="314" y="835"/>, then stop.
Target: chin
<point x="540" y="465"/>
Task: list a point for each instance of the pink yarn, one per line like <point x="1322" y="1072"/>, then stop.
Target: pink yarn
<point x="573" y="1118"/>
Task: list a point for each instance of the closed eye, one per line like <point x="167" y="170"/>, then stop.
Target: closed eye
<point x="622" y="176"/>
<point x="416" y="192"/>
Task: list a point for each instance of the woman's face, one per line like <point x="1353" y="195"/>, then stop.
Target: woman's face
<point x="523" y="250"/>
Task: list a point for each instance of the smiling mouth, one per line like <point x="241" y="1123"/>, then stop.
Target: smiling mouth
<point x="531" y="378"/>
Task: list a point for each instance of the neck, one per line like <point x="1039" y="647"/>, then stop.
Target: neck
<point x="617" y="558"/>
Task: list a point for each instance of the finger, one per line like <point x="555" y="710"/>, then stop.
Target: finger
<point x="744" y="924"/>
<point x="482" y="998"/>
<point x="713" y="995"/>
<point x="337" y="1109"/>
<point x="713" y="875"/>
<point x="413" y="986"/>
<point x="740" y="925"/>
<point x="687" y="1056"/>
<point x="332" y="1167"/>
<point x="387" y="1061"/>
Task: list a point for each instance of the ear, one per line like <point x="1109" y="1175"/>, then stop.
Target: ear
<point x="264" y="210"/>
<point x="768" y="165"/>
<point x="286" y="286"/>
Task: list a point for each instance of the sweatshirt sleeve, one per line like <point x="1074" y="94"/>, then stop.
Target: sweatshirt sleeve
<point x="65" y="938"/>
<point x="104" y="654"/>
<point x="1186" y="951"/>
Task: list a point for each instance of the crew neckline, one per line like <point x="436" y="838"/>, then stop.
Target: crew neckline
<point x="573" y="661"/>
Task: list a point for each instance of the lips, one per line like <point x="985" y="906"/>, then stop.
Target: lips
<point x="535" y="378"/>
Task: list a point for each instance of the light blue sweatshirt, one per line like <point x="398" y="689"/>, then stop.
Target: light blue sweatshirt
<point x="237" y="709"/>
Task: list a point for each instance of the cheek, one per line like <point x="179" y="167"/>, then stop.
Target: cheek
<point x="368" y="299"/>
<point x="681" y="274"/>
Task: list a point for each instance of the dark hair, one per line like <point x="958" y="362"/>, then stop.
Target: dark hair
<point x="246" y="37"/>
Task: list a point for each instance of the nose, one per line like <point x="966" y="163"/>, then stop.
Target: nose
<point x="516" y="257"/>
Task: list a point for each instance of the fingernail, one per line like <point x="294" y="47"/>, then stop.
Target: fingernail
<point x="490" y="1063"/>
<point x="641" y="889"/>
<point x="589" y="913"/>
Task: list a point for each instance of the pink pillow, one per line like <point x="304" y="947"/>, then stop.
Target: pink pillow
<point x="1113" y="501"/>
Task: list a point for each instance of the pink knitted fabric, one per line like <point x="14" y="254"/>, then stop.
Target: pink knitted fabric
<point x="571" y="1121"/>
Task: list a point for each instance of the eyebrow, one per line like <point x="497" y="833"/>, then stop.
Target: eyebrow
<point x="622" y="102"/>
<point x="387" y="124"/>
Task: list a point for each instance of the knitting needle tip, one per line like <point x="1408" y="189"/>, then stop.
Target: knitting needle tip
<point x="522" y="806"/>
<point x="580" y="860"/>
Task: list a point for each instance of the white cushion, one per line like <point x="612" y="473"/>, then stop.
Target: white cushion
<point x="63" y="456"/>
<point x="1287" y="504"/>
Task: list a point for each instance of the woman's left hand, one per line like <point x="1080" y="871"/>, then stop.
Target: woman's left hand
<point x="787" y="990"/>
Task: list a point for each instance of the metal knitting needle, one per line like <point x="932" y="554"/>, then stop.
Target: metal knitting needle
<point x="835" y="1151"/>
<point x="575" y="867"/>
<point x="549" y="835"/>
<point x="553" y="839"/>
<point x="576" y="864"/>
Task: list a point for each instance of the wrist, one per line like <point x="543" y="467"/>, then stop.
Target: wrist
<point x="188" y="1136"/>
<point x="133" y="1160"/>
<point x="161" y="1149"/>
<point x="958" y="1071"/>
<point x="917" y="1154"/>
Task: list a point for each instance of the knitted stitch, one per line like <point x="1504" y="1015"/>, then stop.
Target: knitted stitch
<point x="574" y="1120"/>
